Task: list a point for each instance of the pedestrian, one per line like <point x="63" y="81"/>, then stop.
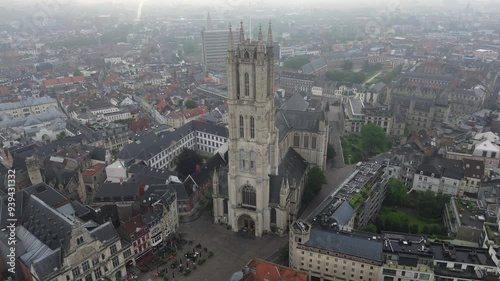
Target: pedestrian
<point x="173" y="275"/>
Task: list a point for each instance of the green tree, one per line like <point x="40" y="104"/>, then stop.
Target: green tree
<point x="191" y="104"/>
<point x="397" y="193"/>
<point x="77" y="73"/>
<point x="207" y="203"/>
<point x="374" y="140"/>
<point x="371" y="228"/>
<point x="61" y="135"/>
<point x="296" y="62"/>
<point x="186" y="161"/>
<point x="347" y="65"/>
<point x="330" y="152"/>
<point x="315" y="179"/>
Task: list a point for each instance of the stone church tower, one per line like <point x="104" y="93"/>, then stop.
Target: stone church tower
<point x="253" y="145"/>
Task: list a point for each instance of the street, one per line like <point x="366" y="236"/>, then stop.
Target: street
<point x="336" y="171"/>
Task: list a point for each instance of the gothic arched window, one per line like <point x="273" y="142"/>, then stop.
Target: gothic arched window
<point x="247" y="55"/>
<point x="306" y="141"/>
<point x="313" y="142"/>
<point x="242" y="127"/>
<point x="247" y="84"/>
<point x="296" y="140"/>
<point x="252" y="127"/>
<point x="243" y="159"/>
<point x="248" y="196"/>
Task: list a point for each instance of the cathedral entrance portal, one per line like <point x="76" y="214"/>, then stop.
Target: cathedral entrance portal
<point x="246" y="225"/>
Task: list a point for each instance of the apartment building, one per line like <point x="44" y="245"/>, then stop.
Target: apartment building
<point x="439" y="175"/>
<point x="354" y="117"/>
<point x="178" y="118"/>
<point x="57" y="241"/>
<point x="334" y="255"/>
<point x="159" y="151"/>
<point x="351" y="255"/>
<point x="296" y="82"/>
<point x="33" y="106"/>
<point x="407" y="257"/>
<point x="356" y="201"/>
<point x="486" y="151"/>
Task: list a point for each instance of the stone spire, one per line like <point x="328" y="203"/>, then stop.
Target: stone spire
<point x="230" y="42"/>
<point x="209" y="21"/>
<point x="242" y="33"/>
<point x="269" y="36"/>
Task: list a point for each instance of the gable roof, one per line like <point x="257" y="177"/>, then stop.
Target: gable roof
<point x="288" y="120"/>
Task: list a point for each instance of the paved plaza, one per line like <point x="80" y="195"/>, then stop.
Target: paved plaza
<point x="231" y="252"/>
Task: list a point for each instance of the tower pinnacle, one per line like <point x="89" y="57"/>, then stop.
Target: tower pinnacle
<point x="242" y="33"/>
<point x="209" y="21"/>
<point x="230" y="42"/>
<point x="270" y="36"/>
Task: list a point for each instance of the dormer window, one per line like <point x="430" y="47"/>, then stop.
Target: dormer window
<point x="79" y="240"/>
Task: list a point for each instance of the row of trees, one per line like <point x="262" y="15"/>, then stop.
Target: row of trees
<point x="426" y="203"/>
<point x="405" y="227"/>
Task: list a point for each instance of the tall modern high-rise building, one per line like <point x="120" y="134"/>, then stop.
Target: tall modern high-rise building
<point x="215" y="44"/>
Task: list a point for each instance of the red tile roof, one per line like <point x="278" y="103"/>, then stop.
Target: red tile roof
<point x="267" y="271"/>
<point x="65" y="80"/>
<point x="92" y="170"/>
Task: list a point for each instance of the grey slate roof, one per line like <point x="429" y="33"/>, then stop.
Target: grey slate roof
<point x="293" y="166"/>
<point x="105" y="232"/>
<point x="112" y="191"/>
<point x="295" y="102"/>
<point x="150" y="145"/>
<point x="343" y="243"/>
<point x="343" y="213"/>
<point x="287" y="120"/>
<point x="35" y="253"/>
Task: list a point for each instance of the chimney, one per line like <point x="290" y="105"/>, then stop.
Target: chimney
<point x="198" y="167"/>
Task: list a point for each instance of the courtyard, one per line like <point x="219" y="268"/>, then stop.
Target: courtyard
<point x="231" y="251"/>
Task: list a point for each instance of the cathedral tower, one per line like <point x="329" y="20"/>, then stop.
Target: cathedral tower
<point x="253" y="145"/>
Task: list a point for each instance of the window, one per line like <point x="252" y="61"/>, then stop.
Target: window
<point x="127" y="253"/>
<point x="243" y="157"/>
<point x="252" y="127"/>
<point x="97" y="273"/>
<point x="76" y="272"/>
<point x="242" y="127"/>
<point x="253" y="156"/>
<point x="296" y="140"/>
<point x="306" y="141"/>
<point x="313" y="142"/>
<point x="113" y="249"/>
<point x="247" y="84"/>
<point x="116" y="261"/>
<point x="79" y="240"/>
<point x="86" y="265"/>
<point x="88" y="277"/>
<point x="248" y="194"/>
<point x="493" y="154"/>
